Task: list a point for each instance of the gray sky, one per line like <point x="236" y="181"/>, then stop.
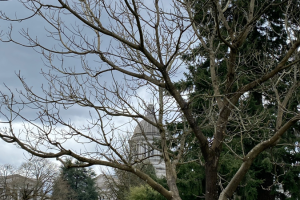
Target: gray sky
<point x="16" y="59"/>
<point x="13" y="59"/>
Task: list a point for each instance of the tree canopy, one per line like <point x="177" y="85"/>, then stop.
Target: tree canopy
<point x="32" y="180"/>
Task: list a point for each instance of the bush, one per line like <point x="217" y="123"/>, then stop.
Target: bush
<point x="144" y="192"/>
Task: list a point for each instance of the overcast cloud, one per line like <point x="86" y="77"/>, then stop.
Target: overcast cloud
<point x="15" y="59"/>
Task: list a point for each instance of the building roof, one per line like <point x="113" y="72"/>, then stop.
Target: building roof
<point x="16" y="179"/>
<point x="144" y="126"/>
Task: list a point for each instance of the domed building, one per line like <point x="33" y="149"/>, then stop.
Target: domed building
<point x="145" y="134"/>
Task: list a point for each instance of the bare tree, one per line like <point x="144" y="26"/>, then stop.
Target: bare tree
<point x="138" y="45"/>
<point x="32" y="180"/>
<point x="6" y="172"/>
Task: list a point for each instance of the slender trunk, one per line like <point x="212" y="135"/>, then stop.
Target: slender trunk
<point x="211" y="173"/>
<point x="174" y="189"/>
<point x="171" y="180"/>
<point x="171" y="174"/>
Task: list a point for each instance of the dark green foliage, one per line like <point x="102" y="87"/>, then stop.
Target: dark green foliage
<point x="80" y="181"/>
<point x="191" y="181"/>
<point x="62" y="190"/>
<point x="275" y="165"/>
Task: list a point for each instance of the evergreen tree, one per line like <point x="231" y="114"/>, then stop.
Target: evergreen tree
<point x="62" y="190"/>
<point x="76" y="184"/>
<point x="262" y="181"/>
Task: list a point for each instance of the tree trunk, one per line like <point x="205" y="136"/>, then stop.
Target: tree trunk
<point x="211" y="188"/>
<point x="171" y="176"/>
<point x="173" y="187"/>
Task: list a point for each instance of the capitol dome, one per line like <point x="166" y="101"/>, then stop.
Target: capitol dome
<point x="145" y="133"/>
<point x="144" y="126"/>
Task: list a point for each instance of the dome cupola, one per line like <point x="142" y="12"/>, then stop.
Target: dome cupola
<point x="144" y="126"/>
<point x="145" y="133"/>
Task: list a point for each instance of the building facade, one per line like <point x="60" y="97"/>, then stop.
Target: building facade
<point x="17" y="187"/>
<point x="144" y="140"/>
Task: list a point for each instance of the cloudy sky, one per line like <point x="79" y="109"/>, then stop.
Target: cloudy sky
<point x="15" y="59"/>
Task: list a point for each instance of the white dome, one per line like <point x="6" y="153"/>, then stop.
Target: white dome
<point x="140" y="147"/>
<point x="145" y="126"/>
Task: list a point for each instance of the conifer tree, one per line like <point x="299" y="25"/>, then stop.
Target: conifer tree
<point x="265" y="177"/>
<point x="75" y="184"/>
